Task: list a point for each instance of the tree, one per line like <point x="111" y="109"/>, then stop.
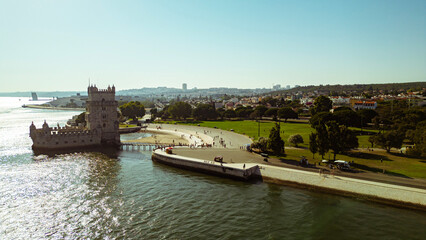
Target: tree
<point x="260" y="110"/>
<point x="419" y="139"/>
<point x="272" y="112"/>
<point x="164" y="114"/>
<point x="295" y="139"/>
<point x="321" y="104"/>
<point x="243" y="112"/>
<point x="389" y="139"/>
<point x="255" y="115"/>
<point x="133" y="110"/>
<point x="154" y="113"/>
<point x="261" y="144"/>
<point x="81" y="119"/>
<point x="269" y="100"/>
<point x="371" y="139"/>
<point x="275" y="142"/>
<point x="342" y="109"/>
<point x="321" y="138"/>
<point x="204" y="112"/>
<point x="180" y="110"/>
<point x="220" y="113"/>
<point x="366" y="115"/>
<point x="341" y="138"/>
<point x="313" y="147"/>
<point x="346" y="117"/>
<point x="286" y="113"/>
<point x="229" y="114"/>
<point x="321" y="118"/>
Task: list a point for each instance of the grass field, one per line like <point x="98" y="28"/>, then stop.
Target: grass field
<point x="127" y="125"/>
<point x="255" y="129"/>
<point x="392" y="163"/>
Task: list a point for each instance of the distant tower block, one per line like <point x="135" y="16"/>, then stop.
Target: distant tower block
<point x="184" y="87"/>
<point x="34" y="96"/>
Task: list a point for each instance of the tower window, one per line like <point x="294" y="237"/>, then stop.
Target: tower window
<point x="104" y="125"/>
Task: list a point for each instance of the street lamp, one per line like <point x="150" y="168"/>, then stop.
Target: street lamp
<point x="258" y="128"/>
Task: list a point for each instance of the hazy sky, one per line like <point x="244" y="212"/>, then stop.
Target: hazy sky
<point x="50" y="45"/>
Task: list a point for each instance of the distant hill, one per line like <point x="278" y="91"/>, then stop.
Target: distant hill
<point x="151" y="92"/>
<point x="387" y="87"/>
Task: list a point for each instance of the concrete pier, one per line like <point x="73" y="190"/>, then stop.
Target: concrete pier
<point x="236" y="171"/>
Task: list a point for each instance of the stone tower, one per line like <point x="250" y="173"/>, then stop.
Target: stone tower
<point x="101" y="114"/>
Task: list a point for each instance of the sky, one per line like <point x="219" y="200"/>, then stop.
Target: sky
<point x="58" y="45"/>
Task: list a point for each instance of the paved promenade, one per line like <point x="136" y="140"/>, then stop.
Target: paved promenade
<point x="217" y="137"/>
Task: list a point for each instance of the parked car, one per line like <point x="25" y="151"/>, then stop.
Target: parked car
<point x="342" y="165"/>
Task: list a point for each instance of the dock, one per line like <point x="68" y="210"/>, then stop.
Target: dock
<point x="229" y="170"/>
<point x="136" y="146"/>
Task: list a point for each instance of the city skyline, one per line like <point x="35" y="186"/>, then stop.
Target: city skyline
<point x="49" y="46"/>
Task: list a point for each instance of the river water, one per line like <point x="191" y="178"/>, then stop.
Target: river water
<point x="127" y="196"/>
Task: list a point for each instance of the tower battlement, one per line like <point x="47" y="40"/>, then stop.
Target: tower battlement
<point x="94" y="89"/>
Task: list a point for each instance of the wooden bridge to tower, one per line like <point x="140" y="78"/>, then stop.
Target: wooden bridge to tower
<point x="134" y="146"/>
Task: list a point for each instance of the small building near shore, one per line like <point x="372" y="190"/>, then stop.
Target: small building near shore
<point x="364" y="105"/>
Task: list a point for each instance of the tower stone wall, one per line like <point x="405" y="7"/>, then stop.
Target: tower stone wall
<point x="101" y="114"/>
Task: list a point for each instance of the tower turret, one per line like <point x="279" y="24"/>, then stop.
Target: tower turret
<point x="101" y="114"/>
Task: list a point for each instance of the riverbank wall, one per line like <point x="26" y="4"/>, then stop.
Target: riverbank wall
<point x="396" y="195"/>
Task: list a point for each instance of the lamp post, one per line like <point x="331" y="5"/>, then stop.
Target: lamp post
<point x="258" y="128"/>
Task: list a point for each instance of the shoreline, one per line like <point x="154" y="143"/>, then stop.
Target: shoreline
<point x="52" y="108"/>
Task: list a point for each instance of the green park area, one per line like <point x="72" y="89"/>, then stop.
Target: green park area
<point x="127" y="125"/>
<point x="256" y="129"/>
<point x="393" y="163"/>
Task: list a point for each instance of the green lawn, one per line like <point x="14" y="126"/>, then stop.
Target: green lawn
<point x="127" y="125"/>
<point x="392" y="163"/>
<point x="251" y="129"/>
